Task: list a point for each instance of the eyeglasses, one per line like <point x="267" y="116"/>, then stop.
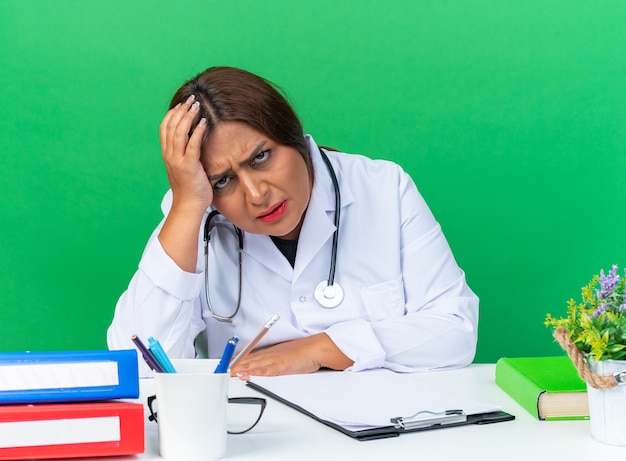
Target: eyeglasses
<point x="242" y="413"/>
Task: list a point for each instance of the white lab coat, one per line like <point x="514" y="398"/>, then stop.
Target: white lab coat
<point x="406" y="307"/>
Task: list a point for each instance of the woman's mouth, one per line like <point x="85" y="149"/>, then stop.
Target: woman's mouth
<point x="273" y="213"/>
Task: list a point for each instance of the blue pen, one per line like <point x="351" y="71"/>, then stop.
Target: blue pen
<point x="222" y="367"/>
<point x="160" y="355"/>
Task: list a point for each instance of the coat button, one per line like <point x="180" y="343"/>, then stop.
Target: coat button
<point x="302" y="299"/>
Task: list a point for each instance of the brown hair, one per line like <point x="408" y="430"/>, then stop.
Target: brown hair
<point x="231" y="94"/>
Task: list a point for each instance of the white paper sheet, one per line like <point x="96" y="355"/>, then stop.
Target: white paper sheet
<point x="366" y="399"/>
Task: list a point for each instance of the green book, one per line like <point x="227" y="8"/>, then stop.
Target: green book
<point x="549" y="388"/>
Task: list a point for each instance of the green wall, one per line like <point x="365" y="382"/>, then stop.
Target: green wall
<point x="510" y="116"/>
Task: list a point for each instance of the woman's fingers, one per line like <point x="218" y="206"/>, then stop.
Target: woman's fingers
<point x="195" y="140"/>
<point x="164" y="124"/>
<point x="181" y="131"/>
<point x="181" y="148"/>
<point x="304" y="355"/>
<point x="174" y="129"/>
<point x="280" y="359"/>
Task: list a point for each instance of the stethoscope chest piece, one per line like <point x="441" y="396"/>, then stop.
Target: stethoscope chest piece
<point x="329" y="296"/>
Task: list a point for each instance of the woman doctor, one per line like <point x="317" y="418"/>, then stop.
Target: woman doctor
<point x="230" y="142"/>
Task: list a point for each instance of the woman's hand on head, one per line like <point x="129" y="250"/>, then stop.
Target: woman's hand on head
<point x="305" y="355"/>
<point x="181" y="155"/>
<point x="191" y="190"/>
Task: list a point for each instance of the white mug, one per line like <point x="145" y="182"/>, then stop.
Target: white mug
<point x="192" y="411"/>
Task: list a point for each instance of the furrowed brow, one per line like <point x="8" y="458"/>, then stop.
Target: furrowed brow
<point x="255" y="152"/>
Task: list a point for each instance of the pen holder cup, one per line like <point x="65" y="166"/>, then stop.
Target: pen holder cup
<point x="192" y="411"/>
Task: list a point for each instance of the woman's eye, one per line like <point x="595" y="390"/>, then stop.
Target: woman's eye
<point x="221" y="183"/>
<point x="261" y="157"/>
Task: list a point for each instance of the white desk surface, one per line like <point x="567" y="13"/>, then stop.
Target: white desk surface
<point x="286" y="434"/>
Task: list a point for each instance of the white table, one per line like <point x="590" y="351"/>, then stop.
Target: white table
<point x="286" y="434"/>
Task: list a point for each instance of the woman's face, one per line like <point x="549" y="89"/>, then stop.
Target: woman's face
<point x="260" y="186"/>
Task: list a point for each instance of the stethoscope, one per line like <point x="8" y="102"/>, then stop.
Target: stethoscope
<point x="327" y="293"/>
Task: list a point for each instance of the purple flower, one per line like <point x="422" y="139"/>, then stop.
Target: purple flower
<point x="601" y="308"/>
<point x="607" y="283"/>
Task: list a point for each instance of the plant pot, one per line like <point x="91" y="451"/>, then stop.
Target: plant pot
<point x="607" y="407"/>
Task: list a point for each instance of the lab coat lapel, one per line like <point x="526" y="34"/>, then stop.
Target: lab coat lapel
<point x="319" y="226"/>
<point x="317" y="229"/>
<point x="262" y="249"/>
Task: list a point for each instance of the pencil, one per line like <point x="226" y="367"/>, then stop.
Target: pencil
<point x="254" y="341"/>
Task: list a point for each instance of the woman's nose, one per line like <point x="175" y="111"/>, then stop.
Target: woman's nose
<point x="255" y="189"/>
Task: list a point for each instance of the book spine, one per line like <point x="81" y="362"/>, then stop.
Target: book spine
<point x="519" y="386"/>
<point x="68" y="376"/>
<point x="71" y="430"/>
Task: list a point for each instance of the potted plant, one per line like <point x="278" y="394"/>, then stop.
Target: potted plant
<point x="594" y="336"/>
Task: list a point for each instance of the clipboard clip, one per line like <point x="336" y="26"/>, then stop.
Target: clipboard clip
<point x="434" y="419"/>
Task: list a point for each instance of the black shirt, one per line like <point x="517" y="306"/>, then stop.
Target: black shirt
<point x="287" y="248"/>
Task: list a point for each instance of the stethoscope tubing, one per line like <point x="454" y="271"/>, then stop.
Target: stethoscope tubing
<point x="333" y="254"/>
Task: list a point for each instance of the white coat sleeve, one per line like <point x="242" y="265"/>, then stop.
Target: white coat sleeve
<point x="440" y="322"/>
<point x="161" y="301"/>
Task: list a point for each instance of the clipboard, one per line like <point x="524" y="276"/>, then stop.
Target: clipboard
<point x="315" y="387"/>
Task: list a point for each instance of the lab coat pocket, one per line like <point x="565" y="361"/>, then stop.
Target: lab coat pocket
<point x="384" y="299"/>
